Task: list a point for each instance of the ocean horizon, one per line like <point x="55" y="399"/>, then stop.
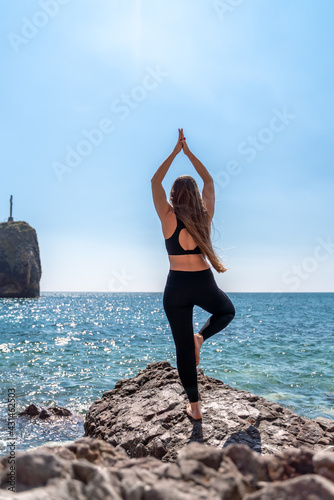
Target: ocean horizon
<point x="67" y="348"/>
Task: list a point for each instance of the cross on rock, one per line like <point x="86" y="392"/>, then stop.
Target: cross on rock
<point x="10" y="218"/>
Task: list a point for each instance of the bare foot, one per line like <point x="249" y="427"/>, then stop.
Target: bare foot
<point x="194" y="411"/>
<point x="198" y="340"/>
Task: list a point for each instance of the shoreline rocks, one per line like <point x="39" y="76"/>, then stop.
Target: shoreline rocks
<point x="20" y="265"/>
<point x="91" y="468"/>
<point x="144" y="446"/>
<point x="145" y="415"/>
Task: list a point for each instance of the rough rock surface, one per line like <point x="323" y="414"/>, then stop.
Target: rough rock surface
<point x="93" y="469"/>
<point x="146" y="415"/>
<point x="20" y="266"/>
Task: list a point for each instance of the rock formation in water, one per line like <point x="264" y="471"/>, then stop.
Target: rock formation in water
<point x="146" y="415"/>
<point x="45" y="413"/>
<point x="93" y="469"/>
<point x="20" y="266"/>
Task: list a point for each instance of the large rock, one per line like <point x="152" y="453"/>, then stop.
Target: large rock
<point x="146" y="415"/>
<point x="92" y="469"/>
<point x="20" y="266"/>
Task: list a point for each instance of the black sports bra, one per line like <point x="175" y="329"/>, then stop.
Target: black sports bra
<point x="172" y="244"/>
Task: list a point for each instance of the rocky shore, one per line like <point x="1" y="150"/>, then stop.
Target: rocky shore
<point x="140" y="444"/>
<point x="93" y="469"/>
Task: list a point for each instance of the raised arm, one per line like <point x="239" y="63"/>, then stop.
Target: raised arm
<point x="161" y="203"/>
<point x="208" y="192"/>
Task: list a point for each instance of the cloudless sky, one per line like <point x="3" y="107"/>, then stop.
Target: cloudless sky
<point x="93" y="93"/>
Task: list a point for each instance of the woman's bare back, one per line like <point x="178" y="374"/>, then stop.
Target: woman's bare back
<point x="191" y="262"/>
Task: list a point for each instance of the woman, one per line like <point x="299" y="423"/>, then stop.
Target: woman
<point x="186" y="223"/>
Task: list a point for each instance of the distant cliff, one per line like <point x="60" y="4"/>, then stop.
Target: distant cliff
<point x="20" y="266"/>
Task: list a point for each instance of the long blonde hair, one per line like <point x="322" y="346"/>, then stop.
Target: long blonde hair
<point x="188" y="207"/>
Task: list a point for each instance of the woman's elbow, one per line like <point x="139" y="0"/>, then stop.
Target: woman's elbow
<point x="155" y="180"/>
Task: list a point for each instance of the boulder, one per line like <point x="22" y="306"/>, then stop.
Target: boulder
<point x="31" y="411"/>
<point x="20" y="266"/>
<point x="145" y="415"/>
<point x="307" y="487"/>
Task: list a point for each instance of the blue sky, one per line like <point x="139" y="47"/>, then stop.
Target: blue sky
<point x="93" y="93"/>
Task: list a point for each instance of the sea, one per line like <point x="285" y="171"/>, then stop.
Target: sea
<point x="67" y="349"/>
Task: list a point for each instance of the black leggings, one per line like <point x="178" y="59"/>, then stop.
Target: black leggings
<point x="183" y="290"/>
